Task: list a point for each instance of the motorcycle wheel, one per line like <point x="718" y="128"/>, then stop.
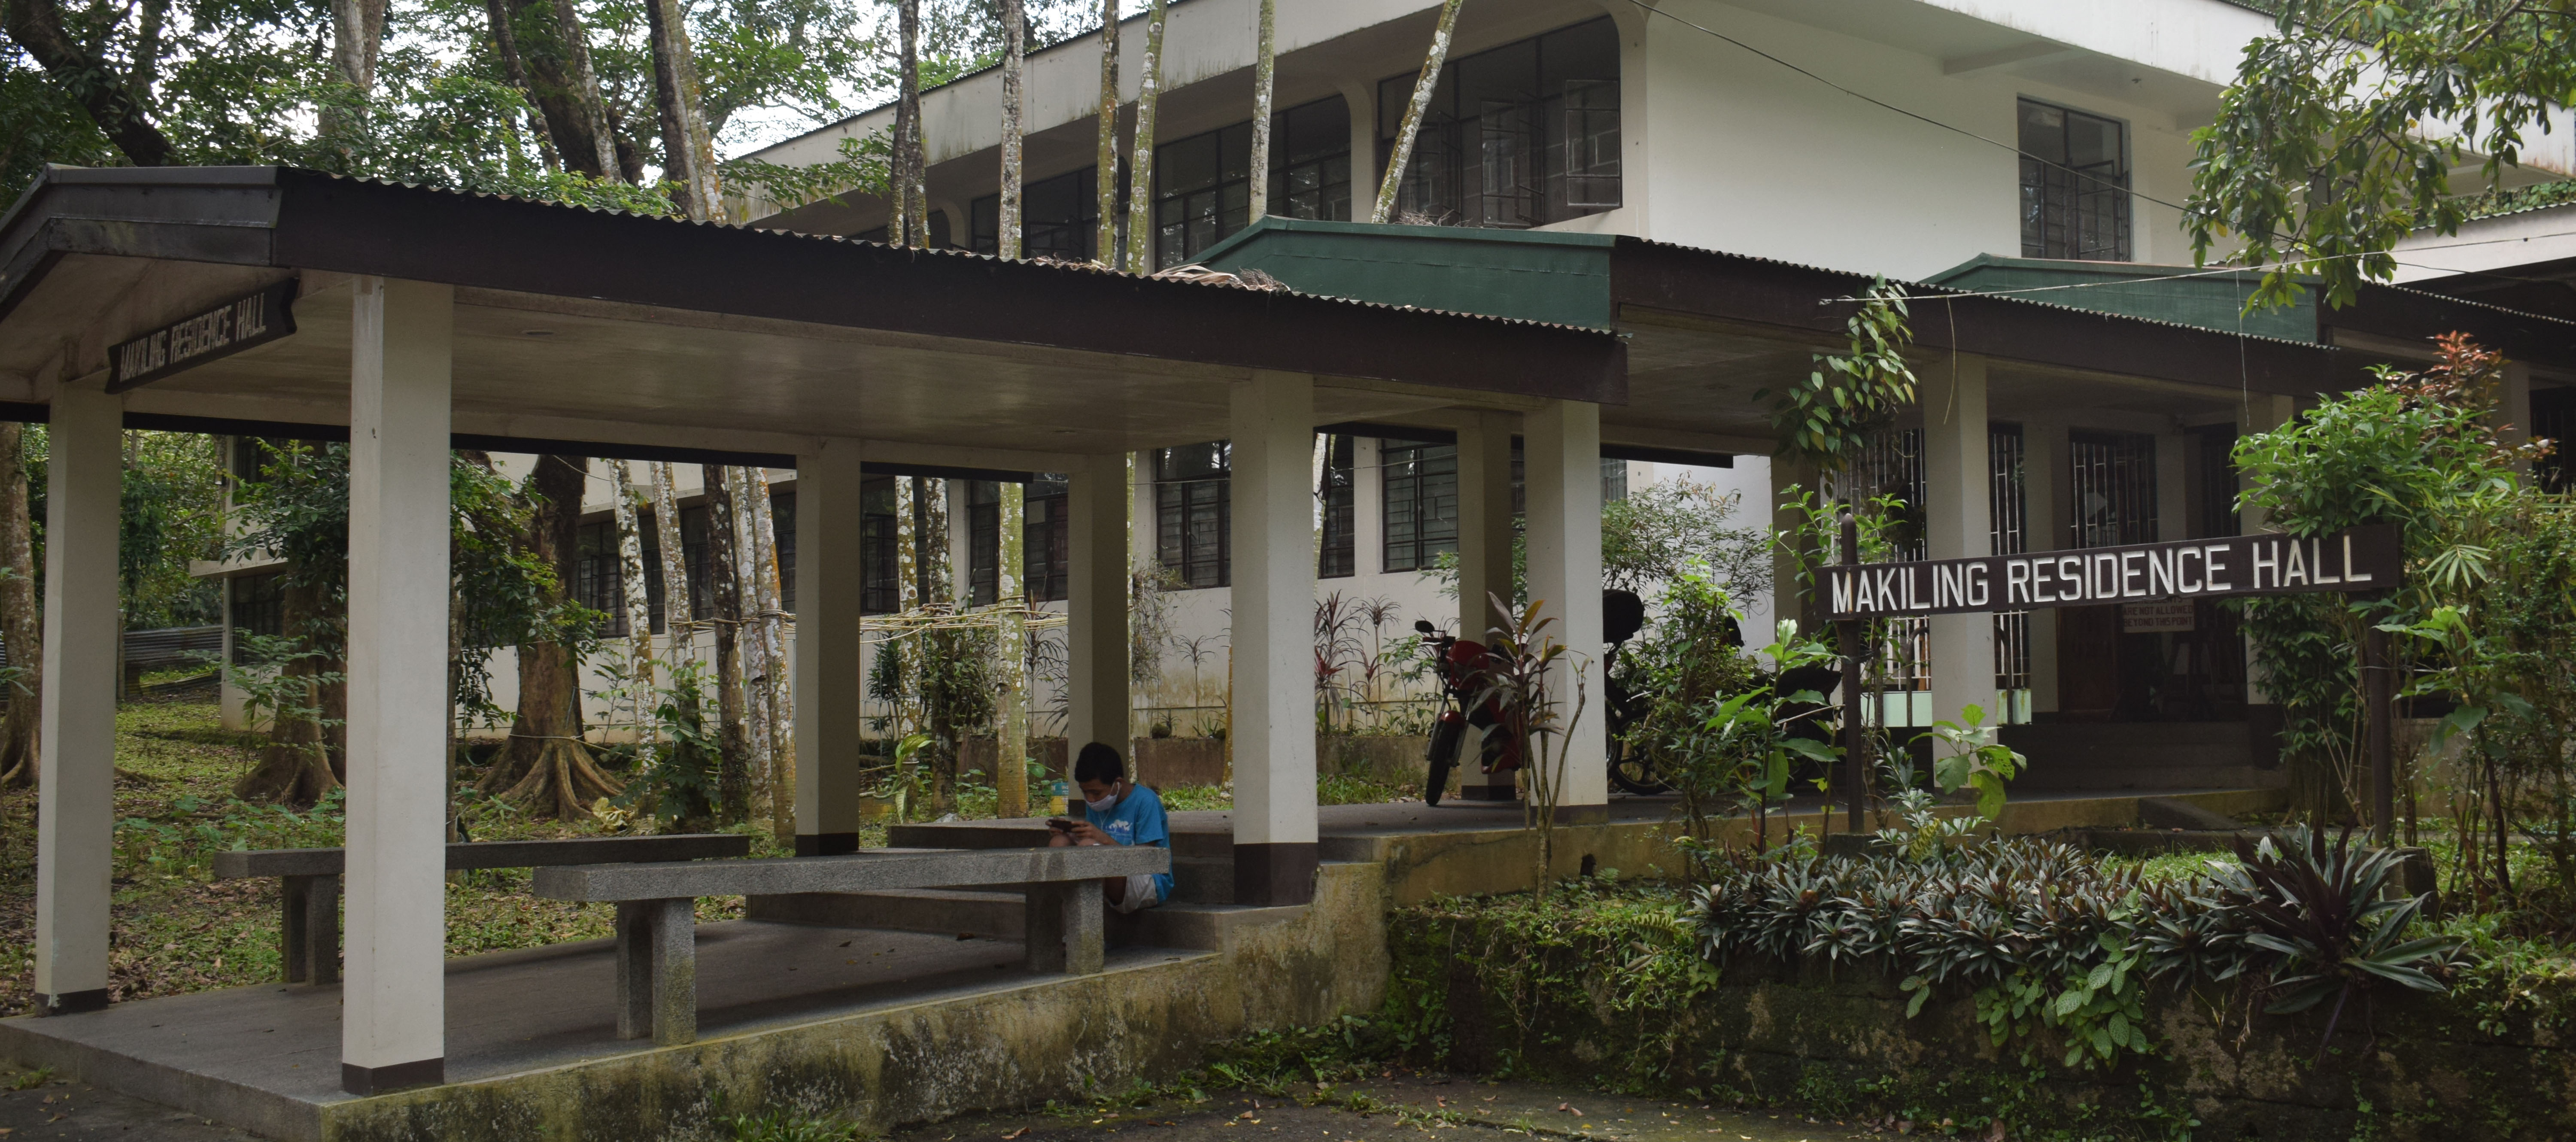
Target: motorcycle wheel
<point x="1443" y="757"/>
<point x="1634" y="772"/>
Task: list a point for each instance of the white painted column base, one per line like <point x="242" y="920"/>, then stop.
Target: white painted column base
<point x="394" y="1005"/>
<point x="76" y="752"/>
<point x="1273" y="419"/>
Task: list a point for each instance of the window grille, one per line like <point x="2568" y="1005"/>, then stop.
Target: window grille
<point x="983" y="542"/>
<point x="1193" y="512"/>
<point x="2113" y="488"/>
<point x="1337" y="554"/>
<point x="1203" y="187"/>
<point x="1614" y="480"/>
<point x="1045" y="540"/>
<point x="598" y="579"/>
<point x="1421" y="503"/>
<point x="2009" y="532"/>
<point x="259" y="607"/>
<point x="2074" y="185"/>
<point x="2218" y="482"/>
<point x="1522" y="135"/>
<point x="1059" y="217"/>
<point x="879" y="592"/>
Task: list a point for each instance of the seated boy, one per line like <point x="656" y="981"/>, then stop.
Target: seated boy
<point x="1120" y="813"/>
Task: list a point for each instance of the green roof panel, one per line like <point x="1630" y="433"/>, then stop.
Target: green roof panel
<point x="1563" y="279"/>
<point x="2184" y="295"/>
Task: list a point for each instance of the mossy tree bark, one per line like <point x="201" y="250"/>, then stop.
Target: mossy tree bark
<point x="303" y="760"/>
<point x="546" y="766"/>
<point x="22" y="625"/>
<point x="733" y="772"/>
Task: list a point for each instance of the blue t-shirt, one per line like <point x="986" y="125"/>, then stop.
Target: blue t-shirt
<point x="1137" y="819"/>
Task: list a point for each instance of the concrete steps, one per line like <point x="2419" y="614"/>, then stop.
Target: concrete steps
<point x="2096" y="756"/>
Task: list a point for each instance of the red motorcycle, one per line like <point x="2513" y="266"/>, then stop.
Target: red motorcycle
<point x="1456" y="662"/>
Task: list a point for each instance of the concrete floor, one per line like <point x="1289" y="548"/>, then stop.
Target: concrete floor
<point x="264" y="1056"/>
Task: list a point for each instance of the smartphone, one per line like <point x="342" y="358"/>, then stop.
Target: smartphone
<point x="1060" y="824"/>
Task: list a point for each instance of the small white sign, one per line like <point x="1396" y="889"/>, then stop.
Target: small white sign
<point x="2157" y="618"/>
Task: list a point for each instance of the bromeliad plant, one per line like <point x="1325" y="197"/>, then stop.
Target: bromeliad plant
<point x="2052" y="940"/>
<point x="1521" y="667"/>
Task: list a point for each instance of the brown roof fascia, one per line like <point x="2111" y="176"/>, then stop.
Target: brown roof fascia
<point x="502" y="243"/>
<point x="2404" y="313"/>
<point x="1759" y="291"/>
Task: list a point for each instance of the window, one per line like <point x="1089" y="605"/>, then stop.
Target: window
<point x="1614" y="480"/>
<point x="1192" y="515"/>
<point x="259" y="607"/>
<point x="1339" y="555"/>
<point x="1203" y="184"/>
<point x="1059" y="217"/>
<point x="1522" y="135"/>
<point x="2553" y="417"/>
<point x="877" y="565"/>
<point x="598" y="578"/>
<point x="1421" y="503"/>
<point x="939" y="233"/>
<point x="2114" y="488"/>
<point x="983" y="543"/>
<point x="2074" y="185"/>
<point x="1045" y="540"/>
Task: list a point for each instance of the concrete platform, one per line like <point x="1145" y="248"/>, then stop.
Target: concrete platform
<point x="268" y="1058"/>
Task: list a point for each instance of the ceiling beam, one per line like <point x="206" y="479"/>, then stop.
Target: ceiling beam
<point x="2032" y="51"/>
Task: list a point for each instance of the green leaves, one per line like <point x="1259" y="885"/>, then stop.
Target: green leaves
<point x="1824" y="418"/>
<point x="1975" y="760"/>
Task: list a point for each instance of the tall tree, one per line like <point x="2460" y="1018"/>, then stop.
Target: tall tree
<point x="2344" y="130"/>
<point x="1140" y="184"/>
<point x="1414" y="109"/>
<point x="725" y="591"/>
<point x="1015" y="34"/>
<point x="678" y="604"/>
<point x="688" y="154"/>
<point x="911" y="226"/>
<point x="298" y="513"/>
<point x="756" y="664"/>
<point x="357" y="37"/>
<point x="80" y="66"/>
<point x="634" y="590"/>
<point x="22" y="624"/>
<point x="575" y="44"/>
<point x="514" y="68"/>
<point x="1265" y="68"/>
<point x="546" y="765"/>
<point x="1104" y="244"/>
<point x="779" y="698"/>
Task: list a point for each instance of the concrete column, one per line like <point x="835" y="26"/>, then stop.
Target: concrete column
<point x="1272" y="426"/>
<point x="961" y="544"/>
<point x="826" y="658"/>
<point x="2044" y="510"/>
<point x="76" y="755"/>
<point x="1484" y="563"/>
<point x="1958" y="479"/>
<point x="1368" y="506"/>
<point x="393" y="1008"/>
<point x="1096" y="500"/>
<point x="1561" y="468"/>
<point x="2513" y="405"/>
<point x="1361" y="97"/>
<point x="2259" y="413"/>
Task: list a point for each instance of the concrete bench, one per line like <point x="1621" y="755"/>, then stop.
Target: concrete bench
<point x="657" y="952"/>
<point x="309" y="928"/>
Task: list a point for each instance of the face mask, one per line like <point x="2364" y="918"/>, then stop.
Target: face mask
<point x="1103" y="805"/>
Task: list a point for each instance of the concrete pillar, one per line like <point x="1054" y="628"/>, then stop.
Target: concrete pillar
<point x="826" y="657"/>
<point x="1561" y="468"/>
<point x="2259" y="413"/>
<point x="1957" y="476"/>
<point x="1484" y="562"/>
<point x="1360" y="96"/>
<point x="394" y="1005"/>
<point x="1096" y="500"/>
<point x="961" y="544"/>
<point x="2513" y="405"/>
<point x="76" y="755"/>
<point x="2045" y="515"/>
<point x="1368" y="506"/>
<point x="1272" y="427"/>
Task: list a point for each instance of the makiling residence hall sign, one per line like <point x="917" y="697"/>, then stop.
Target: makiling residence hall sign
<point x="204" y="336"/>
<point x="2359" y="560"/>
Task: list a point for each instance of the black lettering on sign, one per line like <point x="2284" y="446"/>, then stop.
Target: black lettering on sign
<point x="2361" y="559"/>
<point x="193" y="340"/>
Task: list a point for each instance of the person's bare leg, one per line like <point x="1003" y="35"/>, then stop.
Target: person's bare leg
<point x="1056" y="840"/>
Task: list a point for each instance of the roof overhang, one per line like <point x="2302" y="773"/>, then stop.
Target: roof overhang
<point x="586" y="326"/>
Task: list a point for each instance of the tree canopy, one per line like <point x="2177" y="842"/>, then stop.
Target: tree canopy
<point x="2359" y="122"/>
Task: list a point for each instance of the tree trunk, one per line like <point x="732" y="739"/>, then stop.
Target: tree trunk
<point x="688" y="155"/>
<point x="80" y="71"/>
<point x="1015" y="33"/>
<point x="581" y="139"/>
<point x="733" y="772"/>
<point x="780" y="700"/>
<point x="634" y="592"/>
<point x="514" y="67"/>
<point x="754" y="649"/>
<point x="1264" y="71"/>
<point x="1104" y="244"/>
<point x="679" y="606"/>
<point x="1011" y="748"/>
<point x="22" y="625"/>
<point x="912" y="224"/>
<point x="295" y="767"/>
<point x="1413" y="110"/>
<point x="357" y="36"/>
<point x="1140" y="175"/>
<point x="546" y="766"/>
